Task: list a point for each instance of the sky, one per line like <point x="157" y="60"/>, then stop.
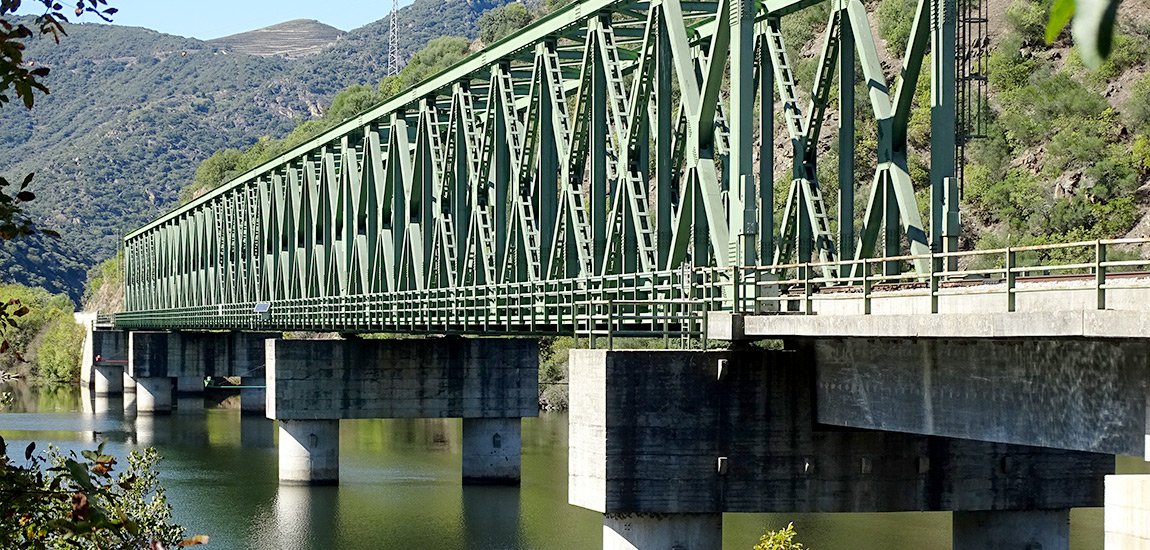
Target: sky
<point x="207" y="19"/>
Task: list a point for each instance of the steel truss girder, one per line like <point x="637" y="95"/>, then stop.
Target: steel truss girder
<point x="598" y="143"/>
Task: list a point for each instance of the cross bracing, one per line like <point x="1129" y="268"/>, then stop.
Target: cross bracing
<point x="601" y="154"/>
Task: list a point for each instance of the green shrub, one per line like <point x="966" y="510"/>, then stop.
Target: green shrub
<point x="1028" y="19"/>
<point x="58" y="356"/>
<point x="1137" y="108"/>
<point x="895" y="19"/>
<point x="782" y="539"/>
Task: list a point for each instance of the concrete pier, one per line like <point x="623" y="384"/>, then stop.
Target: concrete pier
<point x="108" y="379"/>
<point x="491" y="451"/>
<point x="110" y="346"/>
<point x="253" y="400"/>
<point x="490" y="383"/>
<point x="153" y="395"/>
<point x="189" y="385"/>
<point x="309" y="452"/>
<point x="662" y="531"/>
<point x="1012" y="530"/>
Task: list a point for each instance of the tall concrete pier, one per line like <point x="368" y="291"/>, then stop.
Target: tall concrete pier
<point x="489" y="383"/>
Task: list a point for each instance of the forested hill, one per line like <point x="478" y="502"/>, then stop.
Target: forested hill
<point x="132" y="112"/>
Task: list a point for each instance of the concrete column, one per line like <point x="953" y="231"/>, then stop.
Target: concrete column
<point x="129" y="383"/>
<point x="1011" y="530"/>
<point x="309" y="452"/>
<point x="190" y="384"/>
<point x="1127" y="512"/>
<point x="108" y="379"/>
<point x="252" y="399"/>
<point x="491" y="451"/>
<point x="662" y="531"/>
<point x="154" y="395"/>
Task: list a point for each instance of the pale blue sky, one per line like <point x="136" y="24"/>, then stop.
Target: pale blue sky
<point x="207" y="19"/>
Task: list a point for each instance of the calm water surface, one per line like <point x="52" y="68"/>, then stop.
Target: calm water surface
<point x="399" y="485"/>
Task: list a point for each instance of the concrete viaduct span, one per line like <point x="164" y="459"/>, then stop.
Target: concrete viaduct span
<point x="604" y="173"/>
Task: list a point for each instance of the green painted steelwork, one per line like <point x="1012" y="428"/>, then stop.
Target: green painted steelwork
<point x="594" y="156"/>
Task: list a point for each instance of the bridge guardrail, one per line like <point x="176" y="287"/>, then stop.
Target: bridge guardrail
<point x="675" y="303"/>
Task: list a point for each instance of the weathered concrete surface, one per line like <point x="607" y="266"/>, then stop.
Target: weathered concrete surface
<point x="108" y="379"/>
<point x="189" y="385"/>
<point x="147" y="354"/>
<point x="203" y="354"/>
<point x="309" y="452"/>
<point x="111" y="346"/>
<point x="1011" y="530"/>
<point x="425" y="378"/>
<point x="491" y="451"/>
<point x="662" y="532"/>
<point x="153" y="394"/>
<point x="253" y="394"/>
<point x="648" y="429"/>
<point x="1088" y="323"/>
<point x="1086" y="395"/>
<point x="1128" y="512"/>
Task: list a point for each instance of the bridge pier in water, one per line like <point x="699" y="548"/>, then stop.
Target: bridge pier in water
<point x="168" y="363"/>
<point x="104" y="361"/>
<point x="664" y="442"/>
<point x="489" y="383"/>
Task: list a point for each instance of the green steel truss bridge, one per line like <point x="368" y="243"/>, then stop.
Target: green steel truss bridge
<point x="603" y="168"/>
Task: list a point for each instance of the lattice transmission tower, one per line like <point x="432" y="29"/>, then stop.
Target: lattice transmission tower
<point x="393" y="40"/>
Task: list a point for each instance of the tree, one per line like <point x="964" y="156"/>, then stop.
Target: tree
<point x="440" y="53"/>
<point x="55" y="501"/>
<point x="503" y="21"/>
<point x="24" y="79"/>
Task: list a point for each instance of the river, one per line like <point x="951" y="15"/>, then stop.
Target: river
<point x="399" y="485"/>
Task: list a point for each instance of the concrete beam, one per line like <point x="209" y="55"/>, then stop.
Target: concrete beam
<point x="424" y="378"/>
<point x="1085" y="395"/>
<point x="664" y="432"/>
<point x="1088" y="323"/>
<point x="658" y="532"/>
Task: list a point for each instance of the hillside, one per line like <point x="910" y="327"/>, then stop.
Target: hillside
<point x="132" y="113"/>
<point x="291" y="39"/>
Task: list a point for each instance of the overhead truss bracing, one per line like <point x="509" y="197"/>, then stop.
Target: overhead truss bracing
<point x="589" y="157"/>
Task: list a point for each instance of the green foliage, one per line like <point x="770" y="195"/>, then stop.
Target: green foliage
<point x="1012" y="197"/>
<point x="1127" y="52"/>
<point x="1029" y="19"/>
<point x="43" y="261"/>
<point x="440" y="54"/>
<point x="503" y="21"/>
<point x="32" y="311"/>
<point x="109" y="273"/>
<point x="58" y="356"/>
<point x="69" y="501"/>
<point x="1137" y="108"/>
<point x="895" y="19"/>
<point x="783" y="539"/>
<point x="1033" y="112"/>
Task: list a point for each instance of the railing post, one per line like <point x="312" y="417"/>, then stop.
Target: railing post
<point x="703" y="324"/>
<point x="610" y="324"/>
<point x="1010" y="276"/>
<point x="1100" y="273"/>
<point x="736" y="302"/>
<point x="866" y="286"/>
<point x="934" y="268"/>
<point x="808" y="307"/>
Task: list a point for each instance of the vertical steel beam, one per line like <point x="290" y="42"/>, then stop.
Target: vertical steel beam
<point x="942" y="120"/>
<point x="664" y="177"/>
<point x="846" y="138"/>
<point x="597" y="152"/>
<point x="766" y="153"/>
<point x="742" y="210"/>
